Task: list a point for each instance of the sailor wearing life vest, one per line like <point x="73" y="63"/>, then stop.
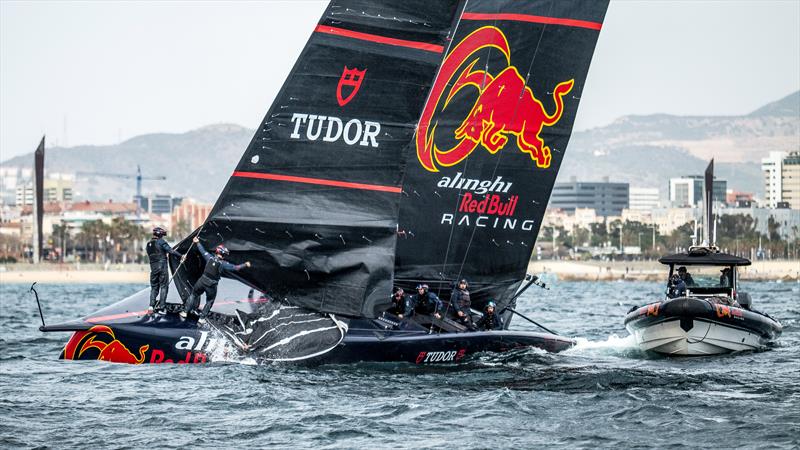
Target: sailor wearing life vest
<point x="401" y="305"/>
<point x="461" y="303"/>
<point x="426" y="302"/>
<point x="157" y="249"/>
<point x="490" y="320"/>
<point x="216" y="266"/>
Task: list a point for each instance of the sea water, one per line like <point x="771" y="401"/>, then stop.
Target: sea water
<point x="602" y="393"/>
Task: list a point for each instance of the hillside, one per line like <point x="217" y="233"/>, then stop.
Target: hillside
<point x="643" y="150"/>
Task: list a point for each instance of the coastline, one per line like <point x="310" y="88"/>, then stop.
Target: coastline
<point x="774" y="270"/>
<point x="74" y="273"/>
<point x="565" y="270"/>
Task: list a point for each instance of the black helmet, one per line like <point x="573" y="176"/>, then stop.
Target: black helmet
<point x="423" y="287"/>
<point x="464" y="282"/>
<point x="159" y="232"/>
<point x="491" y="304"/>
<point x="222" y="250"/>
<point x="682" y="269"/>
<point x="397" y="290"/>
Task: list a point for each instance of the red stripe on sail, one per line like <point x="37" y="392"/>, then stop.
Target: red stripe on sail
<point x="317" y="181"/>
<point x="534" y="19"/>
<point x="379" y="39"/>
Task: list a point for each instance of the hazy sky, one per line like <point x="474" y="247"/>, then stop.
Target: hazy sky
<point x="101" y="72"/>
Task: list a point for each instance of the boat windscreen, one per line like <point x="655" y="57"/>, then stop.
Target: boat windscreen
<point x="708" y="277"/>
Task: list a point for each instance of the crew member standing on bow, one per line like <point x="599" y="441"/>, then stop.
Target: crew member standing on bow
<point x="157" y="249"/>
<point x="216" y="266"/>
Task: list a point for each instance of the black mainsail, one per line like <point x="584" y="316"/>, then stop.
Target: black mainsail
<point x="413" y="141"/>
<point x="314" y="201"/>
<point x="490" y="143"/>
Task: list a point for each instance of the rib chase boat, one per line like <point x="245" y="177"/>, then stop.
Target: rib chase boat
<point x="413" y="142"/>
<point x="705" y="312"/>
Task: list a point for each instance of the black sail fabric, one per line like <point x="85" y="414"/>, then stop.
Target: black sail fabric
<point x="490" y="142"/>
<point x="314" y="201"/>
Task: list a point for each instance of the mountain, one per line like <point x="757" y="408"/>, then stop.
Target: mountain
<point x="648" y="150"/>
<point x="196" y="164"/>
<point x="643" y="150"/>
<point x="788" y="106"/>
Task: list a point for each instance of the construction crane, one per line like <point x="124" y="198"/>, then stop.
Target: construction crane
<point x="138" y="176"/>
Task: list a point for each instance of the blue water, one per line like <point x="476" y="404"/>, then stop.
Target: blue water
<point x="603" y="393"/>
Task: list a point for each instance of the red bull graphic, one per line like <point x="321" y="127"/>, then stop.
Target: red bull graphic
<point x="722" y="310"/>
<point x="113" y="351"/>
<point x="504" y="109"/>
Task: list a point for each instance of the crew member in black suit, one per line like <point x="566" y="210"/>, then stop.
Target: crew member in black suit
<point x="401" y="305"/>
<point x="157" y="249"/>
<point x="490" y="320"/>
<point x="216" y="266"/>
<point x="426" y="302"/>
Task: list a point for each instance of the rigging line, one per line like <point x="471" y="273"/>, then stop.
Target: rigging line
<point x="516" y="109"/>
<point x="183" y="259"/>
<point x="453" y="225"/>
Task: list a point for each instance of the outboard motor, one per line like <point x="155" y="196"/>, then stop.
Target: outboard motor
<point x="744" y="300"/>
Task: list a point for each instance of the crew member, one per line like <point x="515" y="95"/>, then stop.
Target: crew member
<point x="725" y="278"/>
<point x="426" y="302"/>
<point x="461" y="302"/>
<point x="490" y="320"/>
<point x="157" y="249"/>
<point x="401" y="306"/>
<point x="685" y="276"/>
<point x="216" y="266"/>
<point x="677" y="288"/>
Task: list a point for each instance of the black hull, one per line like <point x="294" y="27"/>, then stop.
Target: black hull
<point x="170" y="339"/>
<point x="125" y="333"/>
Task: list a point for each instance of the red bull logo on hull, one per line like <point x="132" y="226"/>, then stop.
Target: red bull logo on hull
<point x="505" y="108"/>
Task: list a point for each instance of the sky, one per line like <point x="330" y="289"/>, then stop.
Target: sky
<point x="101" y="72"/>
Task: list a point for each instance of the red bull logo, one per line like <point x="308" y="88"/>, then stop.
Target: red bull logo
<point x="505" y="107"/>
<point x="112" y="351"/>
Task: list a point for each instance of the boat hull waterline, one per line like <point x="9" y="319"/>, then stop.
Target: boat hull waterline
<point x="699" y="327"/>
<point x="170" y="339"/>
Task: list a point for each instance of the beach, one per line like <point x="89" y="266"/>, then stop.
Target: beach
<point x="773" y="270"/>
<point x="74" y="273"/>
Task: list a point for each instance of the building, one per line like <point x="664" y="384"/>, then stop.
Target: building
<point x="188" y="216"/>
<point x="157" y="204"/>
<point x="605" y="198"/>
<point x="739" y="199"/>
<point x="56" y="189"/>
<point x="10" y="178"/>
<point x="643" y="199"/>
<point x="773" y="189"/>
<point x="687" y="191"/>
<point x="790" y="180"/>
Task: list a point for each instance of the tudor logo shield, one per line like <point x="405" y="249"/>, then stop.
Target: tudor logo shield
<point x="349" y="83"/>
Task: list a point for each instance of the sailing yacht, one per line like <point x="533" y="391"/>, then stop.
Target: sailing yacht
<point x="413" y="142"/>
